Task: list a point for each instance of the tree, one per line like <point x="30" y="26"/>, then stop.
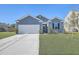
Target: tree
<point x="71" y="22"/>
<point x="13" y="25"/>
<point x="12" y="28"/>
<point x="73" y="19"/>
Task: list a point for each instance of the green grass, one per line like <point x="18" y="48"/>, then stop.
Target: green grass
<point x="6" y="34"/>
<point x="59" y="44"/>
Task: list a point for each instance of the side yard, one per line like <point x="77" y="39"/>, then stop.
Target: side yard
<point x="59" y="44"/>
<point x="6" y="34"/>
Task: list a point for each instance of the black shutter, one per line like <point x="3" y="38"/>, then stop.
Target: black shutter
<point x="58" y="25"/>
<point x="53" y="25"/>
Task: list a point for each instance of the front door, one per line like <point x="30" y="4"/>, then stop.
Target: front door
<point x="45" y="28"/>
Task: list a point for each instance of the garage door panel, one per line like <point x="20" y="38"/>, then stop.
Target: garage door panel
<point x="28" y="29"/>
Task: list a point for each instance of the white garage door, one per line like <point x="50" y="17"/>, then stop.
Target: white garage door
<point x="28" y="29"/>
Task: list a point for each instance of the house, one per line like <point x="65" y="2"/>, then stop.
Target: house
<point x="38" y="24"/>
<point x="4" y="27"/>
<point x="71" y="22"/>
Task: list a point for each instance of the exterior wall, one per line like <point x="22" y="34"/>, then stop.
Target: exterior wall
<point x="16" y="28"/>
<point x="61" y="26"/>
<point x="51" y="30"/>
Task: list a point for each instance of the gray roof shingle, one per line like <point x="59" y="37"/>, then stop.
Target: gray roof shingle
<point x="44" y="19"/>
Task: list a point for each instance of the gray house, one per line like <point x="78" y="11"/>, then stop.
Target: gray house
<point x="38" y="24"/>
<point x="4" y="27"/>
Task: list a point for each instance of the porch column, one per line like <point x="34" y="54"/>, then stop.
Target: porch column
<point x="41" y="28"/>
<point x="49" y="27"/>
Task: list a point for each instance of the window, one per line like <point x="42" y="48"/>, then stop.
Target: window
<point x="53" y="25"/>
<point x="58" y="25"/>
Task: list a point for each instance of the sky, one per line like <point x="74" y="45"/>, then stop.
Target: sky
<point x="9" y="13"/>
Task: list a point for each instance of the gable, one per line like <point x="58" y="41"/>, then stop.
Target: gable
<point x="56" y="20"/>
<point x="28" y="20"/>
<point x="44" y="19"/>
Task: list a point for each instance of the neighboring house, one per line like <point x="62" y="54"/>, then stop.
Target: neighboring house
<point x="71" y="22"/>
<point x="38" y="24"/>
<point x="4" y="27"/>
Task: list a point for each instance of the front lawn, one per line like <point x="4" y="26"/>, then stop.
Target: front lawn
<point x="59" y="44"/>
<point x="6" y="34"/>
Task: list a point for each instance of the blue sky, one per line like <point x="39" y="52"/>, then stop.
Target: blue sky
<point x="9" y="13"/>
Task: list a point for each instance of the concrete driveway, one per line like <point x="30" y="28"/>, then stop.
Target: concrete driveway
<point x="24" y="44"/>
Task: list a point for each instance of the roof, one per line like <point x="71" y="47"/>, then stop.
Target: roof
<point x="44" y="19"/>
<point x="56" y="19"/>
<point x="28" y="20"/>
